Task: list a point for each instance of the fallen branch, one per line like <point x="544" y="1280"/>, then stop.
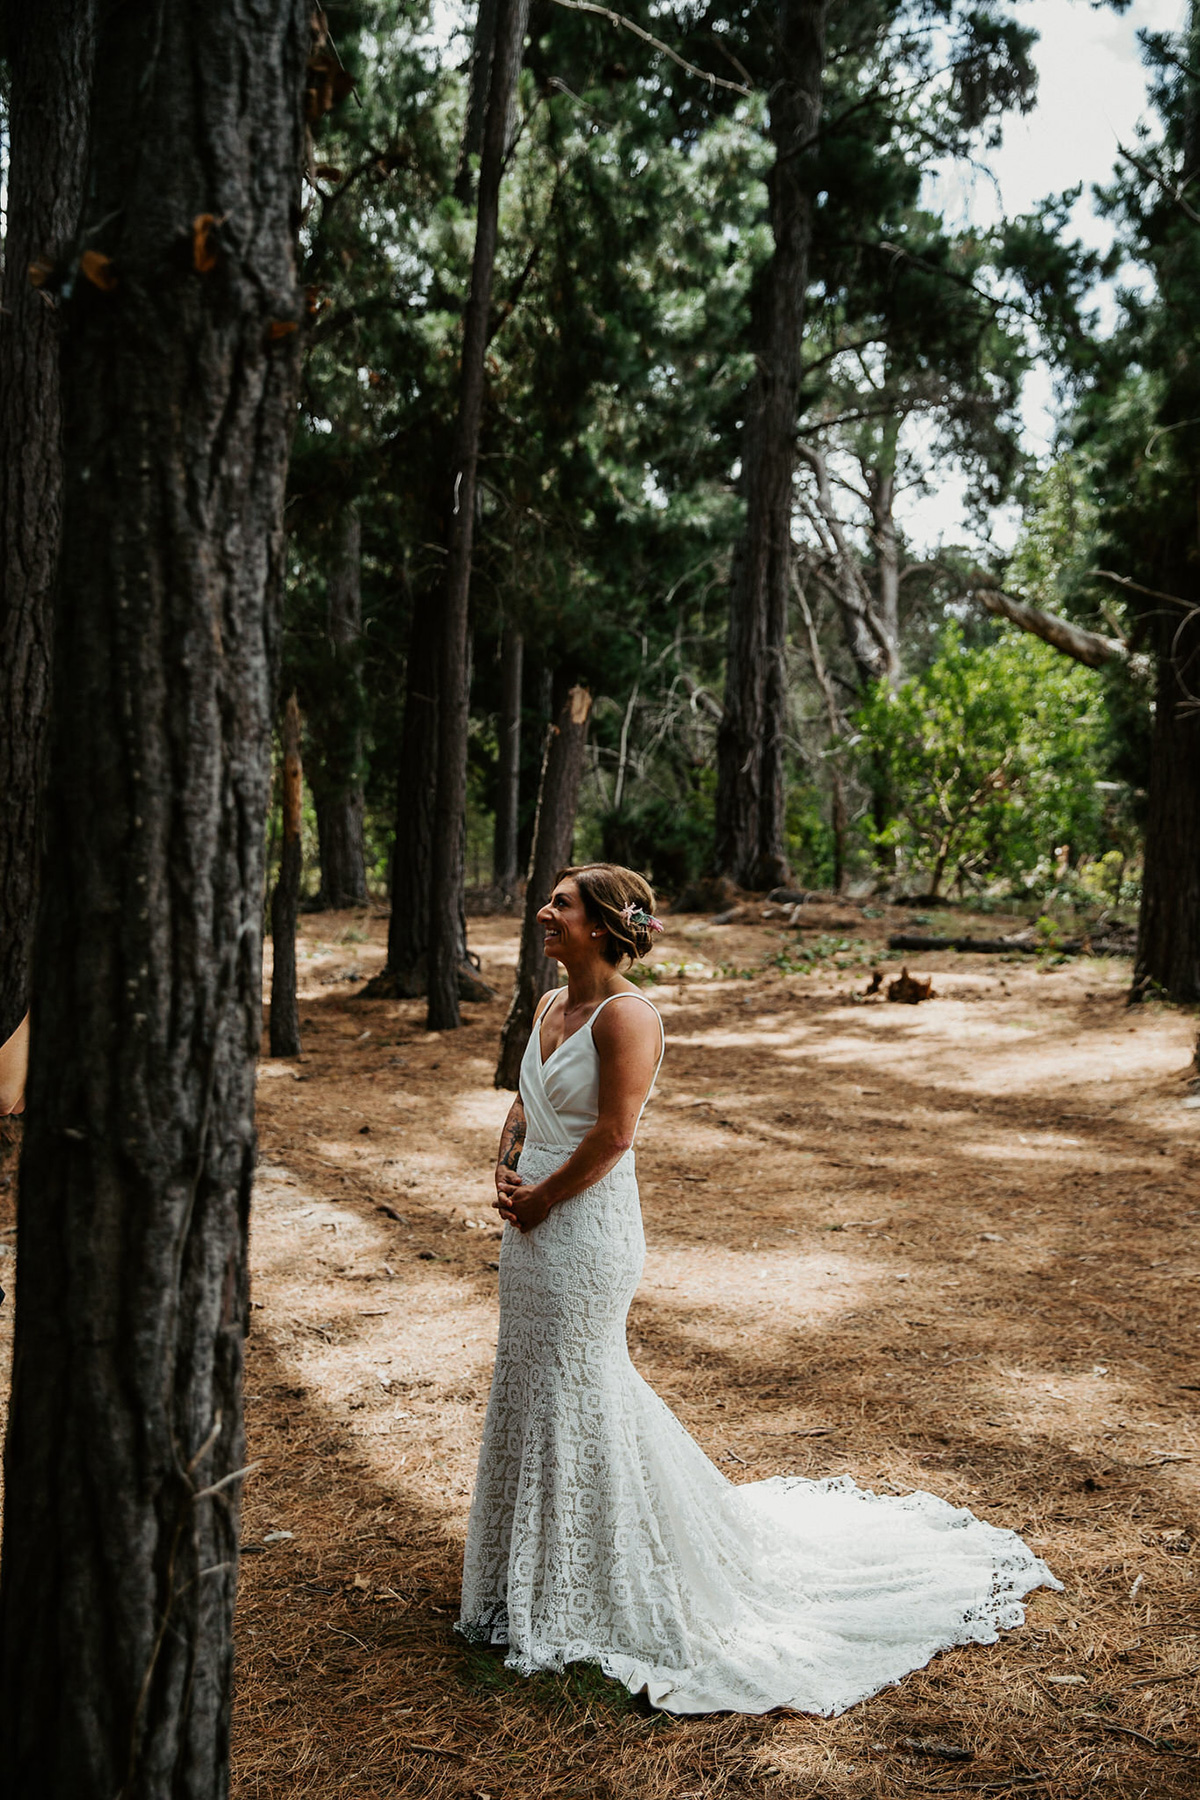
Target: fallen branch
<point x="1153" y="1680"/>
<point x="1005" y="946"/>
<point x="1115" y="1725"/>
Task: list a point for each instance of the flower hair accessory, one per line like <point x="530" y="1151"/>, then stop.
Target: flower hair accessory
<point x="639" y="918"/>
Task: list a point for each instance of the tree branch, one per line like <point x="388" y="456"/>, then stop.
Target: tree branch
<point x="1173" y="193"/>
<point x="615" y="18"/>
<point x="1086" y="647"/>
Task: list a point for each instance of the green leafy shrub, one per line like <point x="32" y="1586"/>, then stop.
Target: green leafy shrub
<point x="993" y="753"/>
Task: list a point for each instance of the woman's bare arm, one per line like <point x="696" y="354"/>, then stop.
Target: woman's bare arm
<point x="628" y="1041"/>
<point x="512" y="1137"/>
<point x="512" y="1140"/>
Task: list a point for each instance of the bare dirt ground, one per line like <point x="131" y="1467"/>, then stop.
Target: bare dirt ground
<point x="951" y="1247"/>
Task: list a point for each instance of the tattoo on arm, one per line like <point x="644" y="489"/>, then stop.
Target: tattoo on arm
<point x="512" y="1142"/>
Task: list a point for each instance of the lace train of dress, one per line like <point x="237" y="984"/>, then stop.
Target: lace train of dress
<point x="601" y="1532"/>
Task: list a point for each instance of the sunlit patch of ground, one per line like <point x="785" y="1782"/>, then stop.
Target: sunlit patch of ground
<point x="951" y="1247"/>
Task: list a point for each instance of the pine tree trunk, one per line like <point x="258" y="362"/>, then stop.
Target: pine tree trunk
<point x="839" y="825"/>
<point x="505" y="866"/>
<point x="405" y="975"/>
<point x="483" y="47"/>
<point x="125" y="1447"/>
<point x="558" y="800"/>
<point x="446" y="892"/>
<point x="1168" y="953"/>
<point x="338" y="782"/>
<point x="49" y="52"/>
<point x="750" y="802"/>
<point x="285" y="901"/>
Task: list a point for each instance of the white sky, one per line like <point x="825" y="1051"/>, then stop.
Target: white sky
<point x="1091" y="93"/>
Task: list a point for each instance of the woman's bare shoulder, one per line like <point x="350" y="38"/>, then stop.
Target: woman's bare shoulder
<point x="627" y="1020"/>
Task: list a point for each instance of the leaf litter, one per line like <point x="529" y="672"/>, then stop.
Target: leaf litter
<point x="1031" y="1266"/>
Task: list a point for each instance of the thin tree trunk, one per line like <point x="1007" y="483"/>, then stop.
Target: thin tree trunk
<point x="750" y="802"/>
<point x="405" y="975"/>
<point x="1168" y="951"/>
<point x="49" y="52"/>
<point x="285" y="901"/>
<point x="837" y="732"/>
<point x="865" y="634"/>
<point x="446" y="892"/>
<point x="125" y="1446"/>
<point x="483" y="47"/>
<point x="881" y="487"/>
<point x="839" y="825"/>
<point x="412" y="856"/>
<point x="505" y="867"/>
<point x="338" y="792"/>
<point x="558" y="799"/>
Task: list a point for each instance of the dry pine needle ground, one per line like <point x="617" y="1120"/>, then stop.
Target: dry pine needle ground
<point x="951" y="1246"/>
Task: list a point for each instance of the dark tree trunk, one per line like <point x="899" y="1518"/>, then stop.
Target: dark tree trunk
<point x="750" y="801"/>
<point x="505" y="866"/>
<point x="839" y="825"/>
<point x="412" y="857"/>
<point x="558" y="799"/>
<point x="446" y="891"/>
<point x="483" y="48"/>
<point x="406" y="972"/>
<point x="125" y="1444"/>
<point x="338" y="780"/>
<point x="285" y="901"/>
<point x="49" y="51"/>
<point x="1168" y="953"/>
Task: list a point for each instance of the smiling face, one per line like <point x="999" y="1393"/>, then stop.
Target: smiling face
<point x="570" y="935"/>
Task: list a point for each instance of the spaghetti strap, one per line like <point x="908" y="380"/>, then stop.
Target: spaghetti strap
<point x="632" y="994"/>
<point x="540" y="1011"/>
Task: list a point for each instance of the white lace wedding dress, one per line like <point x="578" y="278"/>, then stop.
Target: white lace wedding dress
<point x="601" y="1532"/>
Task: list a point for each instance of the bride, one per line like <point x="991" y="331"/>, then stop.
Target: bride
<point x="599" y="1529"/>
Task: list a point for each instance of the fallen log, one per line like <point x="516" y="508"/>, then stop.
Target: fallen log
<point x="1023" y="943"/>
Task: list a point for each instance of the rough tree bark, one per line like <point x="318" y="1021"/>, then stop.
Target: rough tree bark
<point x="446" y="891"/>
<point x="285" y="901"/>
<point x="49" y="50"/>
<point x="505" y="865"/>
<point x="483" y="47"/>
<point x="750" y="801"/>
<point x="558" y="798"/>
<point x="337" y="781"/>
<point x="1168" y="952"/>
<point x="125" y="1446"/>
<point x="405" y="975"/>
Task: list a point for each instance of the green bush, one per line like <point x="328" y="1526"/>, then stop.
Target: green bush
<point x="993" y="753"/>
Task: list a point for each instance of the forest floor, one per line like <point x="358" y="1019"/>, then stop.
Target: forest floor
<point x="951" y="1246"/>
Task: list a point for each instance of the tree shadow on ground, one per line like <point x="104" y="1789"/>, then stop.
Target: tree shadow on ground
<point x="869" y="1276"/>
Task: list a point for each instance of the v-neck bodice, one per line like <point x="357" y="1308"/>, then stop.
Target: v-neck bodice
<point x="561" y="1096"/>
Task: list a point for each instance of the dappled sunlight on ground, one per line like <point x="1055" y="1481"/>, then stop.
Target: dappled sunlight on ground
<point x="950" y="1247"/>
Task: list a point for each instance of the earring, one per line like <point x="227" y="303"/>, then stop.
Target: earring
<point x="597" y="934"/>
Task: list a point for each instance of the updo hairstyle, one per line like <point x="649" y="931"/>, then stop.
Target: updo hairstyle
<point x="606" y="889"/>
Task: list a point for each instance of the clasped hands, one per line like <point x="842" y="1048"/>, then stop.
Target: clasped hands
<point x="518" y="1204"/>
